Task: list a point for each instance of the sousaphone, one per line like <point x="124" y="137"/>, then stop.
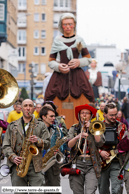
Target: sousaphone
<point x="9" y="90"/>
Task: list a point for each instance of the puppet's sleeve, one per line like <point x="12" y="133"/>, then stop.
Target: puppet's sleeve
<point x="86" y="58"/>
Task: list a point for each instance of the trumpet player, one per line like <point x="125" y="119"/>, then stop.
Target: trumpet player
<point x="14" y="140"/>
<point x="84" y="152"/>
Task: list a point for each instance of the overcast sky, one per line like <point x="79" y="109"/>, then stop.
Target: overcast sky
<point x="104" y="22"/>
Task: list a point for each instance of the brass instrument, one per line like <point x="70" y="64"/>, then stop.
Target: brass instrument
<point x="82" y="129"/>
<point x="97" y="127"/>
<point x="1" y="130"/>
<point x="50" y="159"/>
<point x="28" y="150"/>
<point x="9" y="90"/>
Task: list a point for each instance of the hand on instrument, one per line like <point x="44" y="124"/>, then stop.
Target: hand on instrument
<point x="17" y="160"/>
<point x="64" y="68"/>
<point x="105" y="155"/>
<point x="33" y="138"/>
<point x="83" y="135"/>
<point x="56" y="151"/>
<point x="87" y="124"/>
<point x="74" y="63"/>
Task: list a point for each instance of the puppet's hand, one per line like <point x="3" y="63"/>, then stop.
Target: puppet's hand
<point x="74" y="63"/>
<point x="64" y="68"/>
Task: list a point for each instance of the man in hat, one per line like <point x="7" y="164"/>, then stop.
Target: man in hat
<point x="64" y="59"/>
<point x="84" y="152"/>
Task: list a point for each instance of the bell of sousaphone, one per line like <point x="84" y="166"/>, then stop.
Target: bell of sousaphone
<point x="9" y="90"/>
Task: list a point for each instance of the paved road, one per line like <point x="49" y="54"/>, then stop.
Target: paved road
<point x="64" y="183"/>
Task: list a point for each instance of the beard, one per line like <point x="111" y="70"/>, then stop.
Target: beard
<point x="110" y="121"/>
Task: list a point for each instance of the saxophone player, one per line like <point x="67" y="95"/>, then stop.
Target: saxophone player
<point x="52" y="175"/>
<point x="84" y="152"/>
<point x="14" y="140"/>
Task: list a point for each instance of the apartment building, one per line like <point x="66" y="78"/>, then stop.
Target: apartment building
<point x="37" y="27"/>
<point x="8" y="35"/>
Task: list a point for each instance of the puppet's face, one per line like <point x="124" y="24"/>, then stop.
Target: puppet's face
<point x="68" y="26"/>
<point x="93" y="64"/>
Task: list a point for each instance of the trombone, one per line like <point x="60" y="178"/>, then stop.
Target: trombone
<point x="96" y="128"/>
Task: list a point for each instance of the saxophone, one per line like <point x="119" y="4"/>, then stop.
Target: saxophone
<point x="28" y="150"/>
<point x="50" y="159"/>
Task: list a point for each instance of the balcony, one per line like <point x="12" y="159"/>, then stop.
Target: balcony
<point x="22" y="24"/>
<point x="66" y="9"/>
<point x="21" y="58"/>
<point x="22" y="7"/>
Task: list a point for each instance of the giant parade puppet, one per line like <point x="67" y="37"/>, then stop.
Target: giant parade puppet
<point x="68" y="86"/>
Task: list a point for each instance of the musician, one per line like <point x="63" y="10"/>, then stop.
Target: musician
<point x="14" y="140"/>
<point x="86" y="159"/>
<point x="60" y="121"/>
<point x="52" y="175"/>
<point x="64" y="59"/>
<point x="113" y="134"/>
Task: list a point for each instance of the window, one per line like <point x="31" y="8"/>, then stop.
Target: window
<point x="43" y="68"/>
<point x="21" y="68"/>
<point x="61" y="3"/>
<point x="55" y="3"/>
<point x="22" y="53"/>
<point x="43" y="33"/>
<point x="22" y="4"/>
<point x="66" y="3"/>
<point x="36" y="50"/>
<point x="43" y="50"/>
<point x="44" y="2"/>
<point x="43" y="17"/>
<point x="21" y="20"/>
<point x="36" y="68"/>
<point x="36" y="2"/>
<point x="21" y="36"/>
<point x="36" y="34"/>
<point x="36" y="17"/>
<point x="2" y="12"/>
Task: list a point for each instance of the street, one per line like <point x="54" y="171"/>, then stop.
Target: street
<point x="64" y="183"/>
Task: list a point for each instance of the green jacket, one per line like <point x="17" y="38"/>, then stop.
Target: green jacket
<point x="14" y="138"/>
<point x="93" y="148"/>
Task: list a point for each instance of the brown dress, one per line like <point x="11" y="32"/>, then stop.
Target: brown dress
<point x="74" y="83"/>
<point x="71" y="88"/>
